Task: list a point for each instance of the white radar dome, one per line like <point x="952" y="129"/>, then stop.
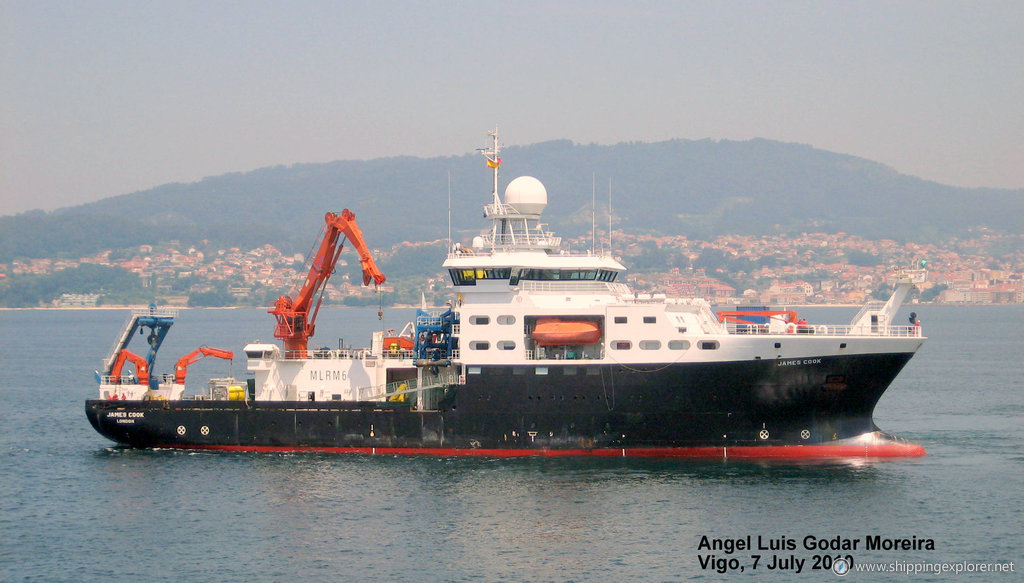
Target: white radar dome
<point x="527" y="195"/>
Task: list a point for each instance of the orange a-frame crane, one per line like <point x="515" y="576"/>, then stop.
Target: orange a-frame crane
<point x="181" y="368"/>
<point x="296" y="316"/>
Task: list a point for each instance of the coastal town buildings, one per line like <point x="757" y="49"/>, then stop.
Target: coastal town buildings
<point x="812" y="268"/>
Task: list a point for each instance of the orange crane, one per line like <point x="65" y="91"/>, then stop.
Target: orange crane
<point x="181" y="369"/>
<point x="141" y="367"/>
<point x="296" y="316"/>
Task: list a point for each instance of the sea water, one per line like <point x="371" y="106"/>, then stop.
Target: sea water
<point x="75" y="507"/>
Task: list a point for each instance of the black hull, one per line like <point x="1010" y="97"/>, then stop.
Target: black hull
<point x="761" y="408"/>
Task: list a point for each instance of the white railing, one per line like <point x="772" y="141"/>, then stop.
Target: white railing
<point x="561" y="286"/>
<point x="830" y="330"/>
<point x="345" y="354"/>
<point x="570" y="356"/>
<point x="130" y="379"/>
<point x="542" y="239"/>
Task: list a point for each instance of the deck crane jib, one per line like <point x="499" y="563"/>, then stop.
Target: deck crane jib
<point x="181" y="367"/>
<point x="141" y="367"/>
<point x="296" y="313"/>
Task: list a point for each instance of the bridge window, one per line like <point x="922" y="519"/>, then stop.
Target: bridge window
<point x="469" y="276"/>
<point x="463" y="276"/>
<point x="496" y="273"/>
<point x="561" y="274"/>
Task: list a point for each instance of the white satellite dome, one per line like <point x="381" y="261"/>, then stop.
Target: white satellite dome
<point x="527" y="195"/>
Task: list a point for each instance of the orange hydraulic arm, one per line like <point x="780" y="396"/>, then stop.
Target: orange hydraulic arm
<point x="181" y="369"/>
<point x="141" y="367"/>
<point x="296" y="316"/>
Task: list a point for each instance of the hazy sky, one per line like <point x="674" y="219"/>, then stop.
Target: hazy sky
<point x="101" y="98"/>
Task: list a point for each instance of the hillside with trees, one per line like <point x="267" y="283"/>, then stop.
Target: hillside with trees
<point x="694" y="188"/>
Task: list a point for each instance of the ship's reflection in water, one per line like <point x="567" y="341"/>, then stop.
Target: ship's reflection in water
<point x="463" y="519"/>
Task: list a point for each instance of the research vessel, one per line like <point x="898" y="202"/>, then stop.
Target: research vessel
<point x="540" y="351"/>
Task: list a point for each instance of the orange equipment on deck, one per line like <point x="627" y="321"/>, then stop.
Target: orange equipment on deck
<point x="396" y="343"/>
<point x="181" y="369"/>
<point x="296" y="314"/>
<point x="141" y="367"/>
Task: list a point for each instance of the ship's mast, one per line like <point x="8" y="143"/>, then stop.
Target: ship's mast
<point x="494" y="162"/>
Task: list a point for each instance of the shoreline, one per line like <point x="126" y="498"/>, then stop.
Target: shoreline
<point x="404" y="306"/>
<point x="146" y="306"/>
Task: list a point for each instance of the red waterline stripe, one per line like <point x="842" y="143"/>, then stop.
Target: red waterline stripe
<point x="742" y="452"/>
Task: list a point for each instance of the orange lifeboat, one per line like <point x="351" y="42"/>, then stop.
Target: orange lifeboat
<point x="396" y="343"/>
<point x="555" y="332"/>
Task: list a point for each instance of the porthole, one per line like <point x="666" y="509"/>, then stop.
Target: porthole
<point x="622" y="345"/>
<point x="650" y="344"/>
<point x="480" y="320"/>
<point x="506" y="320"/>
<point x="479" y="345"/>
<point x="506" y="345"/>
<point x="708" y="345"/>
<point x="678" y="344"/>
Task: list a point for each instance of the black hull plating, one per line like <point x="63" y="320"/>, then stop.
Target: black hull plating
<point x="808" y="402"/>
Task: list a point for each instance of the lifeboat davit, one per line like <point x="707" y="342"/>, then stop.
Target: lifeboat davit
<point x="556" y="331"/>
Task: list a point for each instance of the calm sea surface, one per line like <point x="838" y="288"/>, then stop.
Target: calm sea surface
<point x="76" y="508"/>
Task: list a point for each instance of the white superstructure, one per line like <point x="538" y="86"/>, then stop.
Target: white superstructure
<point x="516" y="276"/>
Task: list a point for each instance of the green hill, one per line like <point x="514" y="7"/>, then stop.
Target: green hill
<point x="695" y="188"/>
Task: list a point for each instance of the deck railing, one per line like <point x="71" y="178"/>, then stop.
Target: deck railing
<point x="564" y="286"/>
<point x="130" y="379"/>
<point x="832" y="330"/>
<point x="345" y="354"/>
